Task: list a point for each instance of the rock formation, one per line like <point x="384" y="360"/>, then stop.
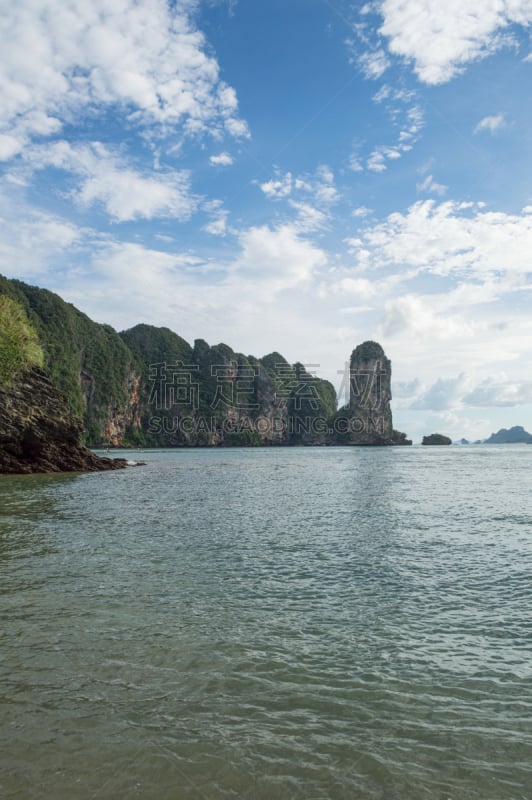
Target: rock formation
<point x="149" y="387"/>
<point x="436" y="439"/>
<point x="515" y="435"/>
<point x="39" y="433"/>
<point x="370" y="393"/>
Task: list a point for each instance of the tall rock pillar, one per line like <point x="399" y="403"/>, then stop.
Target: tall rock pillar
<point x="370" y="393"/>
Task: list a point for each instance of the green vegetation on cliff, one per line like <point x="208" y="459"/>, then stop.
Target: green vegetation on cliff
<point x="19" y="345"/>
<point x="369" y="350"/>
<point x="148" y="386"/>
<point x="87" y="361"/>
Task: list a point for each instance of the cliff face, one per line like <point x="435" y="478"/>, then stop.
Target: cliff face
<point x="88" y="362"/>
<point x="149" y="387"/>
<point x="39" y="433"/>
<point x="205" y="396"/>
<point x="370" y="395"/>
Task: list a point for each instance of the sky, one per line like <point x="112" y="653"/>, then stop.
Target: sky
<point x="286" y="175"/>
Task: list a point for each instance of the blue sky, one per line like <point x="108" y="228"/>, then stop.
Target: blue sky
<point x="291" y="175"/>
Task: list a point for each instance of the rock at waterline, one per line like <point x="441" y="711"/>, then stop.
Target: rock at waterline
<point x="39" y="433"/>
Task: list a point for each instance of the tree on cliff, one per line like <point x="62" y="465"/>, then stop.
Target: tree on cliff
<point x="19" y="346"/>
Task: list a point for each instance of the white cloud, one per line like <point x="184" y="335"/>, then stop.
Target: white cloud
<point x="31" y="242"/>
<point x="308" y="218"/>
<point x="128" y="195"/>
<point x="278" y="187"/>
<point x="257" y="300"/>
<point x="321" y="187"/>
<point x="500" y="392"/>
<point x="125" y="193"/>
<point x="491" y="123"/>
<point x="221" y="160"/>
<point x="377" y="161"/>
<point x="355" y="163"/>
<point x="325" y="192"/>
<point x="144" y="57"/>
<point x="430" y="185"/>
<point x="453" y="393"/>
<point x="413" y="316"/>
<point x="358" y="287"/>
<point x="451" y="237"/>
<point x="407" y="389"/>
<point x="444" y="394"/>
<point x="277" y="258"/>
<point x="406" y="115"/>
<point x="138" y="266"/>
<point x="237" y="128"/>
<point x="374" y="64"/>
<point x="9" y="146"/>
<point x="361" y="211"/>
<point x="217" y="225"/>
<point x="442" y="37"/>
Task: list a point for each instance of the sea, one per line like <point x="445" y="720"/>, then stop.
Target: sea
<point x="270" y="624"/>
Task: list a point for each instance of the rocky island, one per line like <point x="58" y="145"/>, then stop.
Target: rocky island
<point x="436" y="439"/>
<point x="146" y="386"/>
<point x="515" y="435"/>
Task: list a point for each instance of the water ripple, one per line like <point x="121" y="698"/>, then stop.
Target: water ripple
<point x="324" y="623"/>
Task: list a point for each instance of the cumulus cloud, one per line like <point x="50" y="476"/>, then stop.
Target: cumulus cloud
<point x="145" y="57"/>
<point x="277" y="258"/>
<point x="32" y="241"/>
<point x="138" y="266"/>
<point x="491" y="123"/>
<point x="441" y="38"/>
<point x="358" y="287"/>
<point x="407" y="389"/>
<point x="413" y="316"/>
<point x="444" y="394"/>
<point x="278" y="187"/>
<point x="500" y="392"/>
<point x="450" y="237"/>
<point x="125" y="193"/>
<point x="221" y="160"/>
<point x="273" y="267"/>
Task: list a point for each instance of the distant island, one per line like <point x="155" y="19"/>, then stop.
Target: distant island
<point x="515" y="435"/>
<point x="148" y="387"/>
<point x="436" y="439"/>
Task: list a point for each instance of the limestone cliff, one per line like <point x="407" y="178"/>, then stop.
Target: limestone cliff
<point x="39" y="433"/>
<point x="370" y="394"/>
<point x="148" y="387"/>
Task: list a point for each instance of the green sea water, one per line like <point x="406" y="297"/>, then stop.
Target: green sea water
<point x="279" y="624"/>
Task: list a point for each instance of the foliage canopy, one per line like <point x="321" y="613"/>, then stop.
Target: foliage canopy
<point x="19" y="345"/>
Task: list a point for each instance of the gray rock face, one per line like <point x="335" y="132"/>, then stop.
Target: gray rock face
<point x="39" y="433"/>
<point x="370" y="395"/>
